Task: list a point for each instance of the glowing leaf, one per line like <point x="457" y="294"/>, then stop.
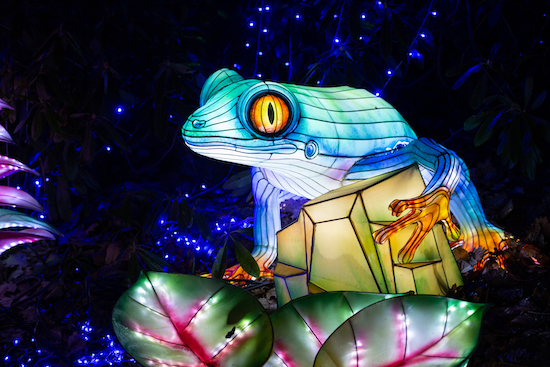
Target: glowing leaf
<point x="10" y="196"/>
<point x="184" y="320"/>
<point x="406" y="331"/>
<point x="303" y="325"/>
<point x="11" y="218"/>
<point x="9" y="239"/>
<point x="3" y="104"/>
<point x="10" y="165"/>
<point x="5" y="137"/>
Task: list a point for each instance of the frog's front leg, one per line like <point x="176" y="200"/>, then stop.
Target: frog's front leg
<point x="425" y="211"/>
<point x="267" y="222"/>
<point x="448" y="188"/>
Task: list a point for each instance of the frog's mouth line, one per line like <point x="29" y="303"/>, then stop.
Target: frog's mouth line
<point x="243" y="154"/>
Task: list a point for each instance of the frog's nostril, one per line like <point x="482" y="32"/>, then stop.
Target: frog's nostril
<point x="197" y="124"/>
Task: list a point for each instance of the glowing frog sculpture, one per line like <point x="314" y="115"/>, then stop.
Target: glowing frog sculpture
<point x="305" y="141"/>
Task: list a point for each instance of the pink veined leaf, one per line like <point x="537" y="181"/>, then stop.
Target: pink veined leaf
<point x="9" y="239"/>
<point x="185" y="320"/>
<point x="304" y="324"/>
<point x="4" y="135"/>
<point x="10" y="165"/>
<point x="10" y="196"/>
<point x="406" y="331"/>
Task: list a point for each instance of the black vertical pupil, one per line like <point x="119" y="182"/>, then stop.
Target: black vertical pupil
<point x="271" y="113"/>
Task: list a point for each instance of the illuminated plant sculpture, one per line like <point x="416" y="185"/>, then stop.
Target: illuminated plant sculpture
<point x="184" y="320"/>
<point x="18" y="228"/>
<point x="305" y="141"/>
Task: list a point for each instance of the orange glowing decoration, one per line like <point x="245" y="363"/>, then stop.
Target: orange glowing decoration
<point x="425" y="212"/>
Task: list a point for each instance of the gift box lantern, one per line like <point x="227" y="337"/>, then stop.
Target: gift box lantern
<point x="331" y="247"/>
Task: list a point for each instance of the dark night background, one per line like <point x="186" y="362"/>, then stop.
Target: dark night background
<point x="100" y="90"/>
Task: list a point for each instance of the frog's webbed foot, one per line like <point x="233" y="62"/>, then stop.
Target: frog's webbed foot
<point x="237" y="272"/>
<point x="425" y="211"/>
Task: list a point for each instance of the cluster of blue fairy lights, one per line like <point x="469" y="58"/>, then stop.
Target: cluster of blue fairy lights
<point x="172" y="238"/>
<point x="263" y="17"/>
<point x="17" y="355"/>
<point x="30" y="353"/>
<point x="112" y="354"/>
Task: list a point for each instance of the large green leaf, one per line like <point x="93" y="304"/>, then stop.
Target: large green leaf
<point x="303" y="325"/>
<point x="185" y="320"/>
<point x="406" y="331"/>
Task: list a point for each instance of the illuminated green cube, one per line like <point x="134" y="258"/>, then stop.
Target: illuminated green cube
<point x="331" y="247"/>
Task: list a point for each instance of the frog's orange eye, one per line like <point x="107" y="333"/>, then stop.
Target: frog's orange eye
<point x="269" y="114"/>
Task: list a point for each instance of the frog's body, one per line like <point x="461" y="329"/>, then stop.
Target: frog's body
<point x="305" y="141"/>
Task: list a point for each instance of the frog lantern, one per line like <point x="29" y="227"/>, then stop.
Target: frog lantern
<point x="304" y="141"/>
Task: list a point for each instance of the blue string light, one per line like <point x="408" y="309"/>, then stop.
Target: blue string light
<point x="119" y="109"/>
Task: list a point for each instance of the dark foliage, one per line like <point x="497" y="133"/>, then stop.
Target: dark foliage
<point x="101" y="89"/>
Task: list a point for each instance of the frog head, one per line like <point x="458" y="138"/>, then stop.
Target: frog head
<point x="242" y="121"/>
<point x="274" y="125"/>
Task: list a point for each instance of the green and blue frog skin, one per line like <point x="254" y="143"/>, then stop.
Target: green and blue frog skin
<point x="304" y="141"/>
